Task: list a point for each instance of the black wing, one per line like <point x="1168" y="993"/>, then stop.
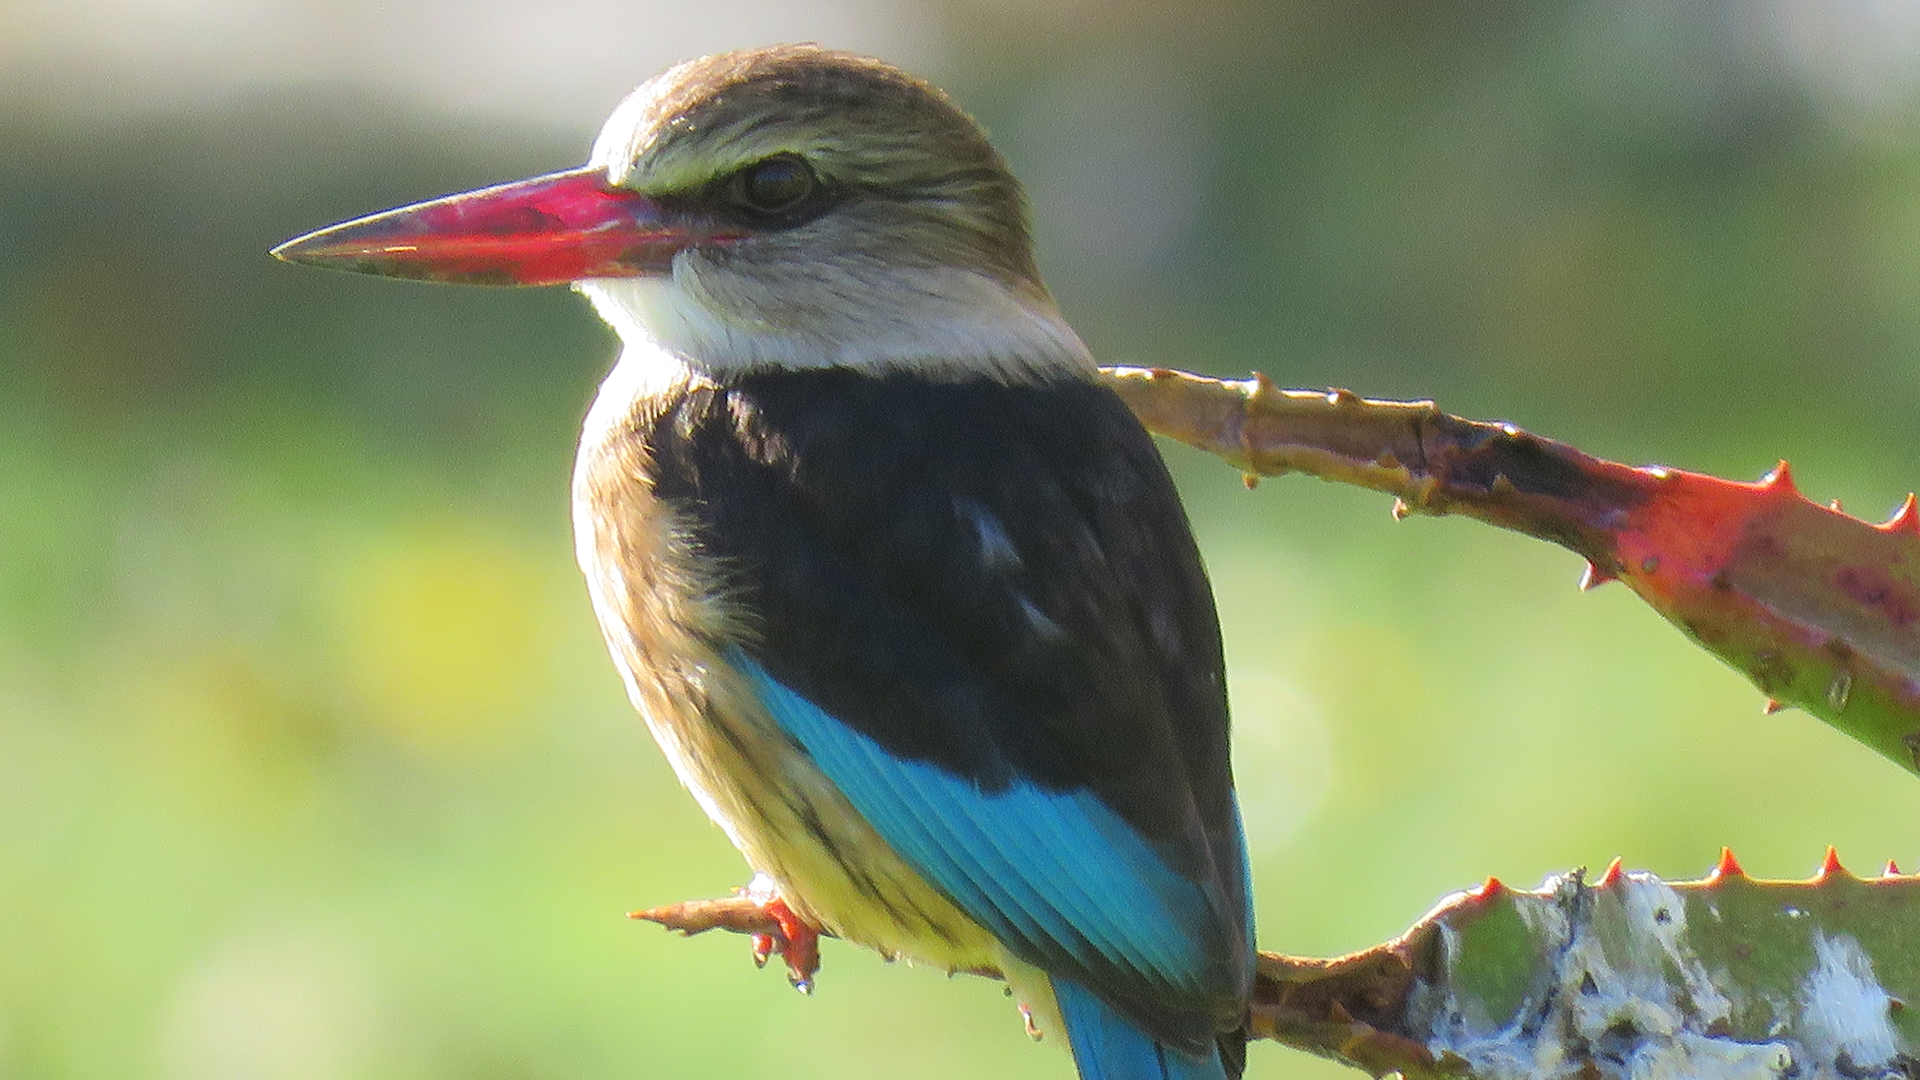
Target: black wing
<point x="996" y="580"/>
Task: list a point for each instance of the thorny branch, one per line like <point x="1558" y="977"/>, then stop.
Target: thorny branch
<point x="1328" y="1007"/>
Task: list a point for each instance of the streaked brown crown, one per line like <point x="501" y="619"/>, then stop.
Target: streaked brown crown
<point x="913" y="179"/>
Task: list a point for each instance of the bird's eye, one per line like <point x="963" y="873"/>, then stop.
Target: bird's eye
<point x="777" y="186"/>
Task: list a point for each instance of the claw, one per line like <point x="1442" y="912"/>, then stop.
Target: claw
<point x="1026" y="1018"/>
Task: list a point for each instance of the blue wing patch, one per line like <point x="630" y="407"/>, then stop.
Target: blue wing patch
<point x="1056" y="869"/>
<point x="1107" y="1047"/>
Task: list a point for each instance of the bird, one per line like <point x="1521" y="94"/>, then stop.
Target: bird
<point x="907" y="598"/>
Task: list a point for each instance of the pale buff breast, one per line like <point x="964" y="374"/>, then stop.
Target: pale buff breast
<point x="664" y="618"/>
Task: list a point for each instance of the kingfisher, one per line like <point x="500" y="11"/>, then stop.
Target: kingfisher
<point x="905" y="595"/>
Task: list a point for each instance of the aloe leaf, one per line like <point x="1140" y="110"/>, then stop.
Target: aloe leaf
<point x="1819" y="609"/>
<point x="1626" y="976"/>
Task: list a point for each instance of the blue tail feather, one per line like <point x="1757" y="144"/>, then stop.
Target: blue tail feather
<point x="1107" y="1047"/>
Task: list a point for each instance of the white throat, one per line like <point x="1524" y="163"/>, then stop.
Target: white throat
<point x="941" y="321"/>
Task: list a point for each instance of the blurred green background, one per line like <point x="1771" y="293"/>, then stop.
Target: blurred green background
<point x="312" y="765"/>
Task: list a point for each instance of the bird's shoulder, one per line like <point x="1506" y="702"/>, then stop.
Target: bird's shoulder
<point x="938" y="562"/>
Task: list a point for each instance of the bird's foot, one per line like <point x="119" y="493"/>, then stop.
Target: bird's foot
<point x="758" y="912"/>
<point x="797" y="942"/>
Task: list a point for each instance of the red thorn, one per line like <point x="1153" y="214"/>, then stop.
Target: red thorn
<point x="1906" y="519"/>
<point x="1727" y="867"/>
<point x="1772" y="706"/>
<point x="1490" y="888"/>
<point x="1892" y="870"/>
<point x="1780" y="479"/>
<point x="1830" y="865"/>
<point x="1593" y="577"/>
<point x="1612" y="876"/>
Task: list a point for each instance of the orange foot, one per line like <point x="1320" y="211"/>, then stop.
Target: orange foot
<point x="797" y="942"/>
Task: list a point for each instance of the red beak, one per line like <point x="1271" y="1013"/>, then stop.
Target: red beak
<point x="548" y="230"/>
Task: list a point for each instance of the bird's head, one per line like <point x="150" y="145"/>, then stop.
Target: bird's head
<point x="779" y="207"/>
